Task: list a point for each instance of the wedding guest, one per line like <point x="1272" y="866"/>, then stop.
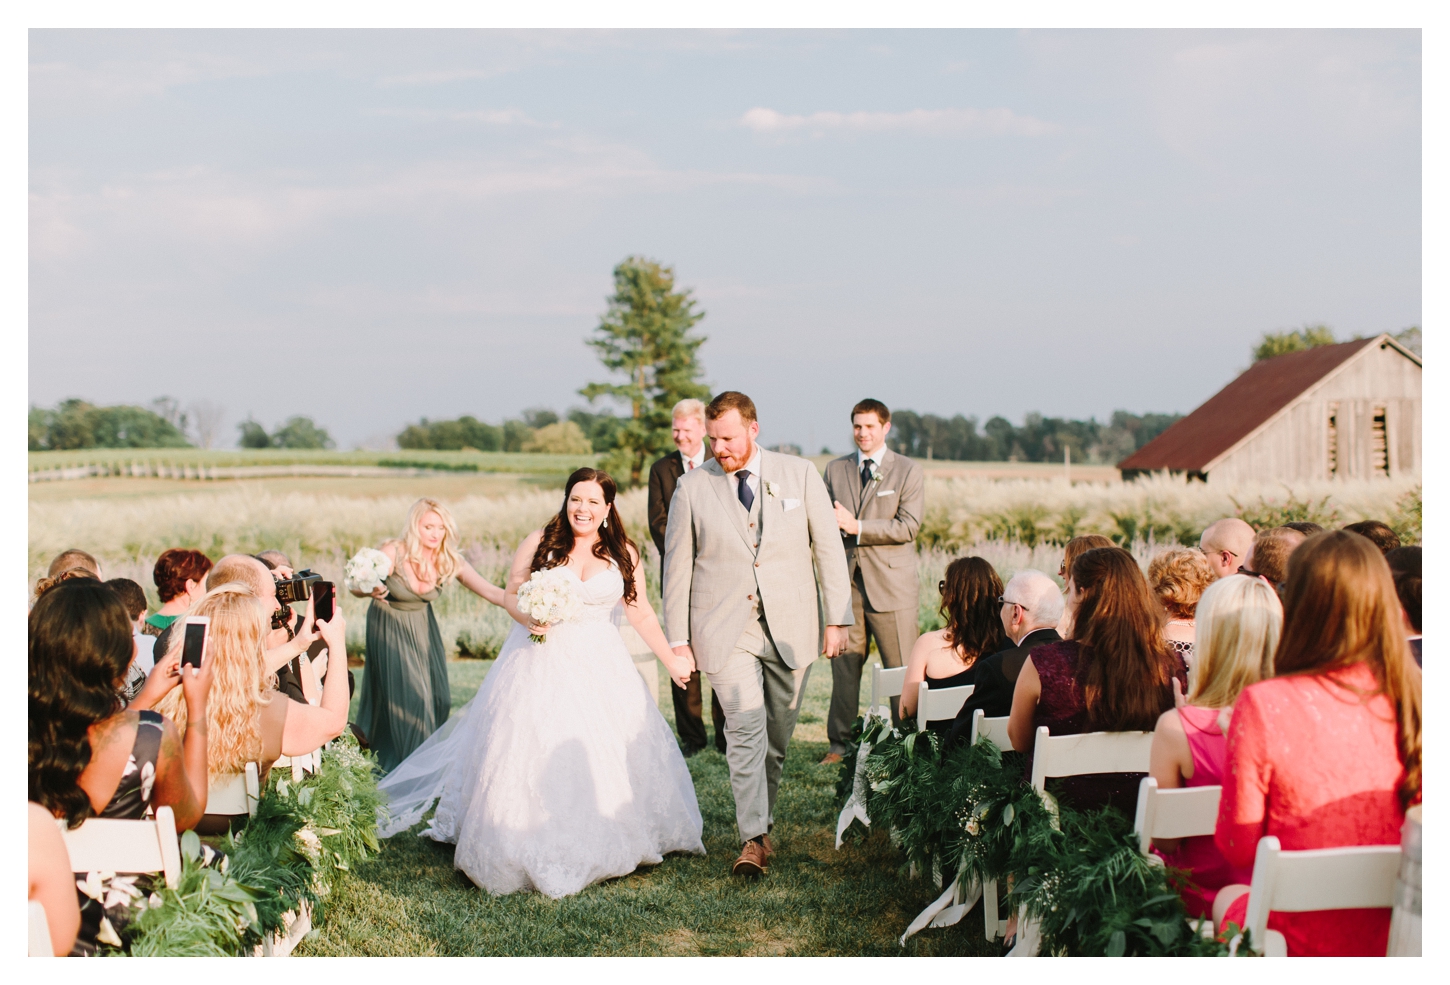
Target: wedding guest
<point x="687" y="429"/>
<point x="1178" y="577"/>
<point x="52" y="884"/>
<point x="50" y="581"/>
<point x="1404" y="565"/>
<point x="248" y="721"/>
<point x="1239" y="622"/>
<point x="1269" y="557"/>
<point x="971" y="602"/>
<point x="180" y="577"/>
<point x="1306" y="527"/>
<point x="1327" y="753"/>
<point x="879" y="499"/>
<point x="74" y="558"/>
<point x="1114" y="675"/>
<point x="87" y="756"/>
<point x="133" y="597"/>
<point x="1378" y="533"/>
<point x="404" y="695"/>
<point x="1029" y="608"/>
<point x="1226" y="543"/>
<point x="1075" y="547"/>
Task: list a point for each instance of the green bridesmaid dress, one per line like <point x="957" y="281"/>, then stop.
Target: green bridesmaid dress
<point x="405" y="694"/>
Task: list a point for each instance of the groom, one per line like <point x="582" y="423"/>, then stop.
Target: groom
<point x="752" y="552"/>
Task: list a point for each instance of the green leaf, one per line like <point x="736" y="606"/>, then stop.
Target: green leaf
<point x="190" y="845"/>
<point x="1008" y="812"/>
<point x="1117" y="944"/>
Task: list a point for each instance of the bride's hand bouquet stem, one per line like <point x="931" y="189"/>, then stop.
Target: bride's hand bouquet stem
<point x="548" y="598"/>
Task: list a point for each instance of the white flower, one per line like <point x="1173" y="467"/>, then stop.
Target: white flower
<point x="367" y="570"/>
<point x="549" y="597"/>
<point x="771" y="490"/>
<point x="107" y="934"/>
<point x="311" y="844"/>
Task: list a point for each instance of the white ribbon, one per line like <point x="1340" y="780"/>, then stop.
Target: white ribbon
<point x="855" y="807"/>
<point x="947" y="909"/>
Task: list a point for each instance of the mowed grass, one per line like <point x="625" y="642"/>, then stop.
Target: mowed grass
<point x="815" y="900"/>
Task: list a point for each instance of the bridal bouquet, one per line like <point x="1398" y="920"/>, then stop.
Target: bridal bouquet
<point x="549" y="597"/>
<point x="367" y="570"/>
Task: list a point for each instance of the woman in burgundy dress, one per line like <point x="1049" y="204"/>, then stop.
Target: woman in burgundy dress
<point x="1115" y="674"/>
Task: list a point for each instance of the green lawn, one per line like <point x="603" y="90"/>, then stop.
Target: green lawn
<point x="815" y="900"/>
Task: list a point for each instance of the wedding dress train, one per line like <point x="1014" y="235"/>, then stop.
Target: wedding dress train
<point x="561" y="771"/>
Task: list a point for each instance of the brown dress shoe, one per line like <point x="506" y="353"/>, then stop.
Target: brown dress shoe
<point x="769" y="848"/>
<point x="752" y="861"/>
<point x="831" y="759"/>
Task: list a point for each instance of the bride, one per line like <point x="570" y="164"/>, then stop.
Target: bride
<point x="561" y="771"/>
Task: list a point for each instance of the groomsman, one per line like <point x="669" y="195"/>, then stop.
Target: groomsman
<point x="879" y="498"/>
<point x="688" y="430"/>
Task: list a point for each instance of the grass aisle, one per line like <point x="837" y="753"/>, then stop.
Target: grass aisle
<point x="815" y="901"/>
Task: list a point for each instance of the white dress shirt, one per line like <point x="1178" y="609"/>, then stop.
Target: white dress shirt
<point x="753" y="466"/>
<point x="693" y="461"/>
<point x="862" y="457"/>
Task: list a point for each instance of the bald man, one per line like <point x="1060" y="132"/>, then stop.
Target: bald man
<point x="1226" y="544"/>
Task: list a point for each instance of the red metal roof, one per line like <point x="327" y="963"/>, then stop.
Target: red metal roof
<point x="1230" y="415"/>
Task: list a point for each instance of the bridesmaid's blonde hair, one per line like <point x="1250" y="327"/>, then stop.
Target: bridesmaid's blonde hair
<point x="448" y="560"/>
<point x="1238" y="625"/>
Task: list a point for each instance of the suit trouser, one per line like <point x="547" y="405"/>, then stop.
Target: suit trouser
<point x="690" y="718"/>
<point x="895" y="634"/>
<point x="761" y="697"/>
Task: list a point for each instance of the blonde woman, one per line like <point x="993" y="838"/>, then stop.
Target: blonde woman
<point x="1239" y="621"/>
<point x="405" y="694"/>
<point x="248" y="719"/>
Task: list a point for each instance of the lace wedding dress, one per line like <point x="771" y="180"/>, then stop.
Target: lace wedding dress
<point x="561" y="771"/>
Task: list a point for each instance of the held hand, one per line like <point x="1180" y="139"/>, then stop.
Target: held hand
<point x="680" y="667"/>
<point x="835" y="642"/>
<point x="538" y="629"/>
<point x="688" y="656"/>
<point x="848" y="523"/>
<point x="333" y="632"/>
<point x="163" y="677"/>
<point x="1178" y="699"/>
<point x="380" y="593"/>
<point x="308" y="630"/>
<point x="195" y="685"/>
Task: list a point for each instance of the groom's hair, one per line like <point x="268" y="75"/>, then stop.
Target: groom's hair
<point x="872" y="406"/>
<point x="728" y="401"/>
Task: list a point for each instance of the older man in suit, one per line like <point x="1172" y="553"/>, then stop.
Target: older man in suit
<point x="691" y="451"/>
<point x="879" y="498"/>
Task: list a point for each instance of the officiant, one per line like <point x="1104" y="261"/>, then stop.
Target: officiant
<point x="879" y="498"/>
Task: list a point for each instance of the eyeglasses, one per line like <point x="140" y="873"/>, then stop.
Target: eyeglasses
<point x="1246" y="571"/>
<point x="1004" y="600"/>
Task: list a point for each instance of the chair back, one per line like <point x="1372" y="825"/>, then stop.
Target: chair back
<point x="993" y="728"/>
<point x="1183" y="812"/>
<point x="107" y="844"/>
<point x="1316" y="879"/>
<point x="886" y="682"/>
<point x="933" y="705"/>
<point x="38" y="944"/>
<point x="235" y="794"/>
<point x="1088" y="752"/>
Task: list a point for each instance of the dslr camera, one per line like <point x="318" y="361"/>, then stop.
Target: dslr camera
<point x="298" y="588"/>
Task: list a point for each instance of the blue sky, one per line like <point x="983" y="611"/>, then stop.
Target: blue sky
<point x="374" y="226"/>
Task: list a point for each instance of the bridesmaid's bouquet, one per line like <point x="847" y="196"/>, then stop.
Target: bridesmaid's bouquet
<point x="549" y="597"/>
<point x="367" y="570"/>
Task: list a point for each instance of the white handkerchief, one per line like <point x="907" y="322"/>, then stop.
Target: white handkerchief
<point x="787" y="505"/>
<point x="887" y="492"/>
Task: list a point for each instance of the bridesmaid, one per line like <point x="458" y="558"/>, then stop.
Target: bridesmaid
<point x="405" y="695"/>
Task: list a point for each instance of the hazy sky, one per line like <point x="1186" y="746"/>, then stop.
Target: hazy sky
<point x="374" y="226"/>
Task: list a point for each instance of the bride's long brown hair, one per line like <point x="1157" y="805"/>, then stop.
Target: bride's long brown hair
<point x="613" y="543"/>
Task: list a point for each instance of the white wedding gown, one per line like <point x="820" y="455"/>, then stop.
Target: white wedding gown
<point x="561" y="771"/>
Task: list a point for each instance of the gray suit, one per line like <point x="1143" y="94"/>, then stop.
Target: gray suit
<point x="747" y="590"/>
<point x="882" y="560"/>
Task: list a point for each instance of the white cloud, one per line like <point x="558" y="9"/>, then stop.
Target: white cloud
<point x="998" y="121"/>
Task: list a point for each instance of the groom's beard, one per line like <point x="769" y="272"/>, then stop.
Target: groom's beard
<point x="736" y="464"/>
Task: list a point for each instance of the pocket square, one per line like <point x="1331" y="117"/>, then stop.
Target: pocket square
<point x="887" y="492"/>
<point x="787" y="505"/>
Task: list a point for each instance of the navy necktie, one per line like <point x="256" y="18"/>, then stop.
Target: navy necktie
<point x="865" y="473"/>
<point x="747" y="498"/>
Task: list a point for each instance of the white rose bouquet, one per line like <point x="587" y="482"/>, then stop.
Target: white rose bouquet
<point x="367" y="570"/>
<point x="549" y="597"/>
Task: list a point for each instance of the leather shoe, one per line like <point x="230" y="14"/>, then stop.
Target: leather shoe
<point x="752" y="861"/>
<point x="831" y="759"/>
<point x="769" y="848"/>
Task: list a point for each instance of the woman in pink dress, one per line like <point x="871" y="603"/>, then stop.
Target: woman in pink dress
<point x="1239" y="620"/>
<point x="1327" y="754"/>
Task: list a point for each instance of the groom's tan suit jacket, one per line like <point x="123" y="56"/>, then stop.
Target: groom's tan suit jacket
<point x="716" y="571"/>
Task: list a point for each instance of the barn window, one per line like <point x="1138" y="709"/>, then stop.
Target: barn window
<point x="1333" y="443"/>
<point x="1379" y="445"/>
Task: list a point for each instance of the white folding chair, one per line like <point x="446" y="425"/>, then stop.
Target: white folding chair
<point x="236" y="794"/>
<point x="886" y="683"/>
<point x="38" y="939"/>
<point x="104" y="844"/>
<point x="1184" y="812"/>
<point x="993" y="728"/>
<point x="935" y="705"/>
<point x="1317" y="879"/>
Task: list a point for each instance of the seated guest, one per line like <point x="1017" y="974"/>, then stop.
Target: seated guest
<point x="1306" y="527"/>
<point x="247" y="723"/>
<point x="1226" y="543"/>
<point x="52" y="884"/>
<point x="948" y="657"/>
<point x="1239" y="621"/>
<point x="1114" y="675"/>
<point x="1404" y="565"/>
<point x="45" y="584"/>
<point x="1178" y="577"/>
<point x="1378" y="533"/>
<point x="74" y="558"/>
<point x="1075" y="547"/>
<point x="1327" y="753"/>
<point x="1269" y="557"/>
<point x="87" y="756"/>
<point x="133" y="597"/>
<point x="180" y="577"/>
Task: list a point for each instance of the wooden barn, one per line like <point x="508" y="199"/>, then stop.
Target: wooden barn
<point x="1346" y="411"/>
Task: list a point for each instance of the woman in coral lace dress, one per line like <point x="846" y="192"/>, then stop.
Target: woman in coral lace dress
<point x="1327" y="754"/>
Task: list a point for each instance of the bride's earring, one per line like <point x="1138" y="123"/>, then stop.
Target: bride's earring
<point x="604" y="523"/>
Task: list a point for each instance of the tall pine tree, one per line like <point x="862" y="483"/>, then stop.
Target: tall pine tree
<point x="646" y="337"/>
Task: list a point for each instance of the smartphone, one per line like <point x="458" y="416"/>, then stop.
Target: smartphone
<point x="193" y="644"/>
<point x="323" y="594"/>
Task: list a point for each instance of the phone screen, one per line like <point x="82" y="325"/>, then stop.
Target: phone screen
<point x="193" y="644"/>
<point x="322" y="600"/>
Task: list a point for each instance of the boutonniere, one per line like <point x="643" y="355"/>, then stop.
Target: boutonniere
<point x="875" y="469"/>
<point x="771" y="490"/>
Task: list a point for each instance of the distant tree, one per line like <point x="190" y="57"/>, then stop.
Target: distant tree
<point x="207" y="418"/>
<point x="601" y="429"/>
<point x="466" y="432"/>
<point x="1278" y="343"/>
<point x="301" y="432"/>
<point x="515" y="433"/>
<point x="253" y="435"/>
<point x="645" y="335"/>
<point x="79" y="424"/>
<point x="539" y="417"/>
<point x="1410" y="339"/>
<point x="559" y="438"/>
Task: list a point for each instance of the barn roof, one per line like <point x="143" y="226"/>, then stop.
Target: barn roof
<point x="1230" y="415"/>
